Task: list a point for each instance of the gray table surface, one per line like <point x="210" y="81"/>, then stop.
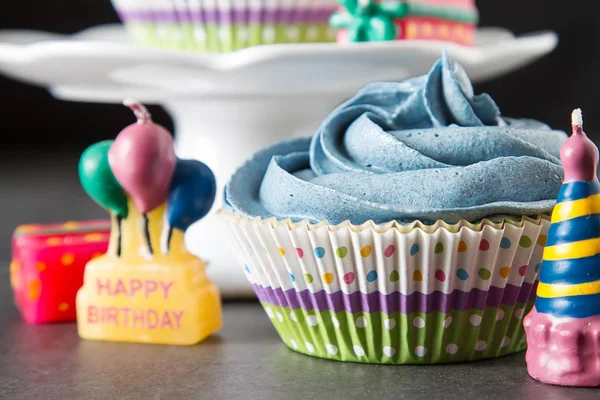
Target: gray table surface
<point x="245" y="360"/>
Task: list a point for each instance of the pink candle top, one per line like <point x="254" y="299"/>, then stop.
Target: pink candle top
<point x="579" y="155"/>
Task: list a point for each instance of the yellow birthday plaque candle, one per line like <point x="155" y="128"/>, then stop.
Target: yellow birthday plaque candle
<point x="148" y="287"/>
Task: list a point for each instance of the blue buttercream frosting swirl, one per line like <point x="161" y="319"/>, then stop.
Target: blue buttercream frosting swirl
<point x="423" y="149"/>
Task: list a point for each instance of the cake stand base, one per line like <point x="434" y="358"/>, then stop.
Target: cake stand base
<point x="209" y="130"/>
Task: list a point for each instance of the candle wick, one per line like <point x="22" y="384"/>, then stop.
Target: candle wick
<point x="141" y="113"/>
<point x="577" y="118"/>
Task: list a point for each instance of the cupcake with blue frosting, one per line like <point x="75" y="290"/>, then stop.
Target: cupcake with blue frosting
<point x="408" y="230"/>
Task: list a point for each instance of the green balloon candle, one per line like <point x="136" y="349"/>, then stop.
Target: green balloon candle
<point x="98" y="180"/>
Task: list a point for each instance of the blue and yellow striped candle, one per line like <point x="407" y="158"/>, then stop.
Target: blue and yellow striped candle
<point x="570" y="275"/>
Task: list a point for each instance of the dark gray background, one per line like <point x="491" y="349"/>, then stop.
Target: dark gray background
<point x="38" y="153"/>
<point x="41" y="138"/>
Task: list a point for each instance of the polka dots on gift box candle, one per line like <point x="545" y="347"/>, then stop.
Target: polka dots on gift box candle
<point x="94" y="237"/>
<point x="54" y="241"/>
<point x="41" y="266"/>
<point x="34" y="289"/>
<point x="67" y="259"/>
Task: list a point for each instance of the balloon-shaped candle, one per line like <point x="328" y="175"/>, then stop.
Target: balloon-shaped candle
<point x="564" y="327"/>
<point x="148" y="287"/>
<point x="191" y="196"/>
<point x="143" y="161"/>
<point x="100" y="183"/>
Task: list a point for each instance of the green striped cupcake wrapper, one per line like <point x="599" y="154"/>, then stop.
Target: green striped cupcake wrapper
<point x="393" y="294"/>
<point x="397" y="338"/>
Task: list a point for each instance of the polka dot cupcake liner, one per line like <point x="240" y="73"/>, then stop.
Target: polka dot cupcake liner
<point x="225" y="25"/>
<point x="462" y="288"/>
<point x="398" y="338"/>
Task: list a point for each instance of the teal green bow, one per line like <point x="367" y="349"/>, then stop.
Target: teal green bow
<point x="368" y="21"/>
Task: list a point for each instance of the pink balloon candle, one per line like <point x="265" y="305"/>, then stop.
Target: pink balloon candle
<point x="143" y="160"/>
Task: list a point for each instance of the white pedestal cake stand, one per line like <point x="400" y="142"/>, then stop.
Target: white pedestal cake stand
<point x="227" y="106"/>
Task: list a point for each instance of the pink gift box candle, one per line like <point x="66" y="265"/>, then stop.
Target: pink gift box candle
<point x="48" y="265"/>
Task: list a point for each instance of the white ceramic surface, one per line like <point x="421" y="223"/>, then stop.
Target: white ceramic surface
<point x="226" y="106"/>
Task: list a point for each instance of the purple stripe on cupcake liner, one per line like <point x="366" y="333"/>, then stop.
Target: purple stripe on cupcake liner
<point x="397" y="302"/>
<point x="279" y="15"/>
<point x="183" y="16"/>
